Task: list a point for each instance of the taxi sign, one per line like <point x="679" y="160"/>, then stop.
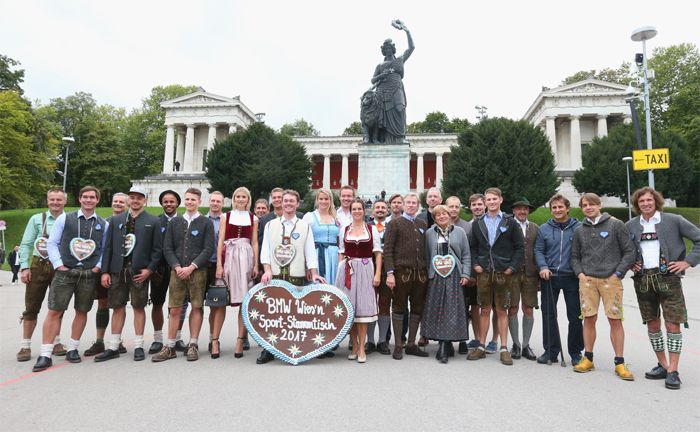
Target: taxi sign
<point x="650" y="159"/>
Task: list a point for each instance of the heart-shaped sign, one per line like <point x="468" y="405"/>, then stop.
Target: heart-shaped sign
<point x="40" y="247"/>
<point x="444" y="265"/>
<point x="82" y="248"/>
<point x="129" y="244"/>
<point x="296" y="324"/>
<point x="284" y="254"/>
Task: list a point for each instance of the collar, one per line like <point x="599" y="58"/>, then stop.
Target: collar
<point x="409" y="217"/>
<point x="594" y="221"/>
<point x="80" y="213"/>
<point x="50" y="216"/>
<point x="189" y="218"/>
<point x="213" y="217"/>
<point x="285" y="220"/>
<point x="498" y="216"/>
<point x="655" y="219"/>
<point x="525" y="224"/>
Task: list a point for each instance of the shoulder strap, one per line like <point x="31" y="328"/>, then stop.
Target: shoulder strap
<point x="43" y="225"/>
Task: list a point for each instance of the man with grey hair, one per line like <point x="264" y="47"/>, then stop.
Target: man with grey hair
<point x="432" y="198"/>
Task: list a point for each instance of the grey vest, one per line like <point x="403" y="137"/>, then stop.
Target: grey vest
<point x="70" y="231"/>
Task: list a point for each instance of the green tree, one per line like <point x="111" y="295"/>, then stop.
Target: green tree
<point x="23" y="170"/>
<point x="438" y="122"/>
<point x="355" y="128"/>
<point x="259" y="159"/>
<point x="10" y="79"/>
<point x="511" y="155"/>
<point x="604" y="172"/>
<point x="299" y="127"/>
<point x="622" y="75"/>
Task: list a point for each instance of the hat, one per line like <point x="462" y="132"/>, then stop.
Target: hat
<point x="172" y="192"/>
<point x="523" y="202"/>
<point x="138" y="190"/>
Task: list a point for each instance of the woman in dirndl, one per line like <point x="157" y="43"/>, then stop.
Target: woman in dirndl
<point x="449" y="266"/>
<point x="236" y="254"/>
<point x="357" y="275"/>
<point x="325" y="228"/>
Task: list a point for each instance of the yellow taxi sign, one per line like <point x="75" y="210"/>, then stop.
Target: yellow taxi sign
<point x="650" y="159"/>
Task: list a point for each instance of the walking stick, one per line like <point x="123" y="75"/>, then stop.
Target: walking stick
<point x="556" y="319"/>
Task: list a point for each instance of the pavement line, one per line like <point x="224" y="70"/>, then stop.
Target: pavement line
<point x="33" y="374"/>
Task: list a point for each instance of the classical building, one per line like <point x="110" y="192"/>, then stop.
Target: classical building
<point x="571" y="116"/>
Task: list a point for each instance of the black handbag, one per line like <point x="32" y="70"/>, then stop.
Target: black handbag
<point x="217" y="294"/>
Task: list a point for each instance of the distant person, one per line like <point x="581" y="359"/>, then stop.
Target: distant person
<point x="13" y="259"/>
<point x="433" y="197"/>
<point x="37" y="275"/>
<point x="661" y="262"/>
<point x="601" y="254"/>
<point x="261" y="208"/>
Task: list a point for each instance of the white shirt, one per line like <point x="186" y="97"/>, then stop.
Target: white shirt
<point x="651" y="249"/>
<point x="523" y="226"/>
<point x="594" y="221"/>
<point x="376" y="240"/>
<point x="240" y="218"/>
<point x="344" y="217"/>
<point x="309" y="245"/>
<point x="189" y="218"/>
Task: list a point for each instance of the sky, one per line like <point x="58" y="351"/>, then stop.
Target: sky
<point x="314" y="59"/>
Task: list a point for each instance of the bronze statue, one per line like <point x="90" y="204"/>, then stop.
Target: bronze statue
<point x="383" y="108"/>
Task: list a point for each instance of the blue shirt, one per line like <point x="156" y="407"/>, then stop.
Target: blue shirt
<point x="492" y="225"/>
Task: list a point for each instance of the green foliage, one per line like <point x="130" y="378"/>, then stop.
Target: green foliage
<point x="604" y="172"/>
<point x="299" y="127"/>
<point x="259" y="159"/>
<point x="10" y="80"/>
<point x="23" y="170"/>
<point x="438" y="122"/>
<point x="355" y="128"/>
<point x="511" y="155"/>
<point x="622" y="75"/>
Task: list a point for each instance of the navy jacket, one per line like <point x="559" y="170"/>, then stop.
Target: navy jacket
<point x="507" y="251"/>
<point x="553" y="247"/>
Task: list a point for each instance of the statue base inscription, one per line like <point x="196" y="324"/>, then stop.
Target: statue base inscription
<point x="383" y="167"/>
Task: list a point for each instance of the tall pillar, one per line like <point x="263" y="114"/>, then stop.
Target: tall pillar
<point x="169" y="150"/>
<point x="602" y="126"/>
<point x="438" y="170"/>
<point x="420" y="180"/>
<point x="180" y="151"/>
<point x="327" y="171"/>
<point x="211" y="137"/>
<point x="189" y="150"/>
<point x="551" y="130"/>
<point x="575" y="142"/>
<point x="344" y="171"/>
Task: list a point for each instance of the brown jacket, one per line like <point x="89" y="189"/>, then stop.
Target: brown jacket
<point x="404" y="244"/>
<point x="529" y="265"/>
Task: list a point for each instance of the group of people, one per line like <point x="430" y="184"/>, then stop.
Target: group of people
<point x="405" y="271"/>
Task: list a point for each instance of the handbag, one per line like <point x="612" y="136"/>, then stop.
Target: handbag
<point x="217" y="294"/>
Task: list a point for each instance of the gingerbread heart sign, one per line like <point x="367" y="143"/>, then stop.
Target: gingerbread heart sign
<point x="444" y="265"/>
<point x="284" y="254"/>
<point x="81" y="248"/>
<point x="40" y="247"/>
<point x="296" y="324"/>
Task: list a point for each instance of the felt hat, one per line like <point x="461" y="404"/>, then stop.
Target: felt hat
<point x="523" y="202"/>
<point x="172" y="192"/>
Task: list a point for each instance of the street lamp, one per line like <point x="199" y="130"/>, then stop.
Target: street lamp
<point x="627" y="160"/>
<point x="643" y="34"/>
<point x="482" y="112"/>
<point x="68" y="141"/>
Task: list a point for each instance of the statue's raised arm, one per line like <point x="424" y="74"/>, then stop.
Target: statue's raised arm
<point x="398" y="24"/>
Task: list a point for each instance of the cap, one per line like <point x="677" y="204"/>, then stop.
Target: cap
<point x="138" y="190"/>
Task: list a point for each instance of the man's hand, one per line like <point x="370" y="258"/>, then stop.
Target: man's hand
<point x="390" y="281"/>
<point x="96" y="270"/>
<point x="545" y="274"/>
<point x="184" y="272"/>
<point x="678" y="266"/>
<point x="62" y="268"/>
<point x="581" y="277"/>
<point x="106" y="280"/>
<point x="266" y="277"/>
<point x="478" y="269"/>
<point x="26" y="276"/>
<point x="319" y="279"/>
<point x="142" y="276"/>
<point x="508" y="271"/>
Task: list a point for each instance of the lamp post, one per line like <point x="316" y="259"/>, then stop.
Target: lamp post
<point x="68" y="141"/>
<point x="482" y="112"/>
<point x="643" y="34"/>
<point x="627" y="160"/>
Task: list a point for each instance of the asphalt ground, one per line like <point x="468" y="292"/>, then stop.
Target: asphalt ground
<point x="414" y="394"/>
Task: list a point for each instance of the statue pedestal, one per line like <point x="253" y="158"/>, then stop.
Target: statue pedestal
<point x="383" y="167"/>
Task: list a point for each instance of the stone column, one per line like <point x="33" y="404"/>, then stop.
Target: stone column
<point x="169" y="150"/>
<point x="420" y="177"/>
<point x="327" y="171"/>
<point x="180" y="152"/>
<point x="551" y="130"/>
<point x="211" y="137"/>
<point x="231" y="128"/>
<point x="344" y="174"/>
<point x="575" y="142"/>
<point x="602" y="126"/>
<point x="189" y="150"/>
<point x="438" y="170"/>
<point x="627" y="119"/>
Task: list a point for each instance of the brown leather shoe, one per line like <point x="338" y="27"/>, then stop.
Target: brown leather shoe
<point x="96" y="348"/>
<point x="477" y="354"/>
<point x="166" y="353"/>
<point x="506" y="358"/>
<point x="59" y="350"/>
<point x="24" y="354"/>
<point x="192" y="352"/>
<point x="415" y="351"/>
<point x="423" y="341"/>
<point x="398" y="353"/>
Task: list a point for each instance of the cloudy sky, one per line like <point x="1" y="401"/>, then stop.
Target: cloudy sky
<point x="314" y="59"/>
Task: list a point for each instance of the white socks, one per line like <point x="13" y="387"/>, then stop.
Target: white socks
<point x="158" y="336"/>
<point x="26" y="343"/>
<point x="115" y="341"/>
<point x="73" y="344"/>
<point x="57" y="340"/>
<point x="46" y="350"/>
<point x="138" y="341"/>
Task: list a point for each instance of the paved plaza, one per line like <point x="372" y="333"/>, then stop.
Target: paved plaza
<point x="415" y="394"/>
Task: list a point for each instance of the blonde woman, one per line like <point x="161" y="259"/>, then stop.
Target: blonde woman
<point x="325" y="227"/>
<point x="237" y="253"/>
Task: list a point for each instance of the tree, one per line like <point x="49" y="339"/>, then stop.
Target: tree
<point x="23" y="170"/>
<point x="622" y="75"/>
<point x="511" y="155"/>
<point x="438" y="122"/>
<point x="9" y="79"/>
<point x="259" y="159"/>
<point x="604" y="172"/>
<point x="355" y="128"/>
<point x="299" y="127"/>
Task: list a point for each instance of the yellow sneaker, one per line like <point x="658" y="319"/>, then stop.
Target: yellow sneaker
<point x="584" y="365"/>
<point x="624" y="373"/>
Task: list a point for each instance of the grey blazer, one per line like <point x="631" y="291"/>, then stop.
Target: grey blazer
<point x="148" y="250"/>
<point x="671" y="231"/>
<point x="459" y="248"/>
